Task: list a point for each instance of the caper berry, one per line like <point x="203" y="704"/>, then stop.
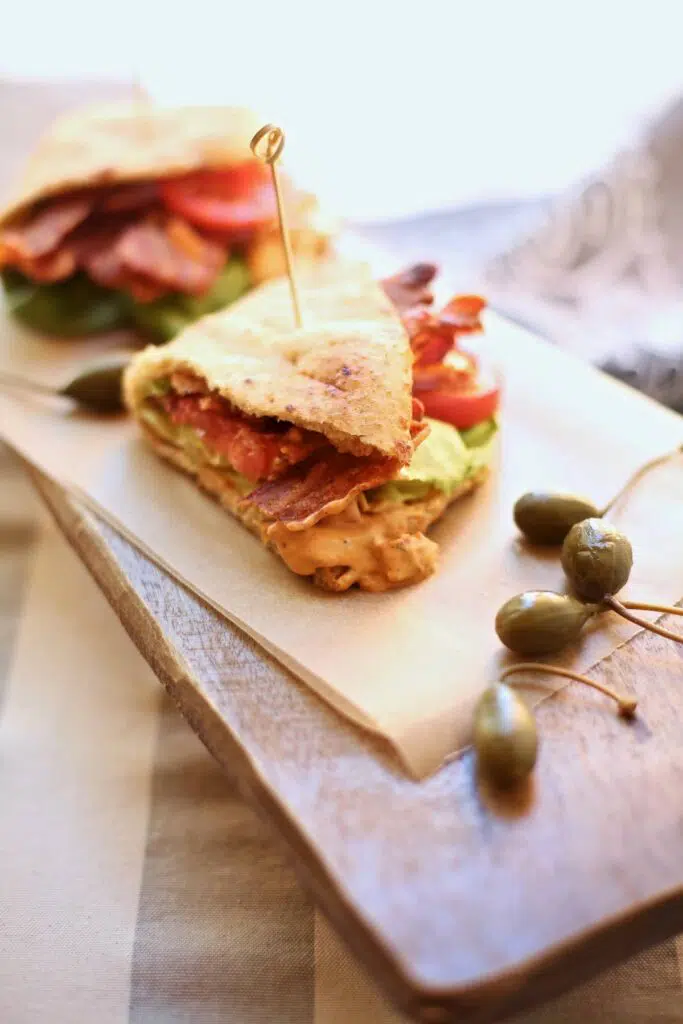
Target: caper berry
<point x="597" y="559"/>
<point x="541" y="621"/>
<point x="505" y="736"/>
<point x="98" y="389"/>
<point x="546" y="518"/>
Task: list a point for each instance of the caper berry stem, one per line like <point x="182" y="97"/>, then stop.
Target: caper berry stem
<point x="621" y="609"/>
<point x="645" y="606"/>
<point x="626" y="705"/>
<point x="651" y="464"/>
<point x="14" y="380"/>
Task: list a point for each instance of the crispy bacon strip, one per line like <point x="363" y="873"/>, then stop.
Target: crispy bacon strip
<point x="96" y="251"/>
<point x="320" y="487"/>
<point x="94" y="247"/>
<point x="411" y="287"/>
<point x="464" y="313"/>
<point x="434" y="335"/>
<point x="120" y="238"/>
<point x="136" y="195"/>
<point x="43" y="232"/>
<point x="460" y="369"/>
<point x="179" y="260"/>
<point x="56" y="266"/>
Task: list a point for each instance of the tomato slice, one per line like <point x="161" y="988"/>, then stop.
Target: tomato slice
<point x="461" y="408"/>
<point x="233" y="202"/>
<point x="249" y="452"/>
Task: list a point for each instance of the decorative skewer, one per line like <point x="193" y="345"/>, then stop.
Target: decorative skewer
<point x="274" y="139"/>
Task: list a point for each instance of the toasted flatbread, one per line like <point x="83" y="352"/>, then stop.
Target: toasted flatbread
<point x="345" y="374"/>
<point x="108" y="144"/>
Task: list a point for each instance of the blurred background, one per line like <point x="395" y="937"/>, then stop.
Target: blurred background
<point x="534" y="149"/>
<point x="390" y="107"/>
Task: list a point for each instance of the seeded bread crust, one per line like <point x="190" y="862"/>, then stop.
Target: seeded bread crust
<point x="346" y="373"/>
<point x="106" y="144"/>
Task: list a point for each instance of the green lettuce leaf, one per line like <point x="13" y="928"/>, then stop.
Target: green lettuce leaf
<point x="69" y="309"/>
<point x="162" y="319"/>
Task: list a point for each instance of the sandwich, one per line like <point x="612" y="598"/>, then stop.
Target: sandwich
<point x="133" y="215"/>
<point x="313" y="436"/>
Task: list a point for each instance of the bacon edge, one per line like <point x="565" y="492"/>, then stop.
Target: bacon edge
<point x="319" y="488"/>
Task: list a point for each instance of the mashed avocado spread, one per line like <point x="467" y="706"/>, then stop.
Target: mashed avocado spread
<point x="191" y="443"/>
<point x="444" y="460"/>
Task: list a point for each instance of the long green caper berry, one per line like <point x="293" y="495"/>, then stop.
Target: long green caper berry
<point x="597" y="559"/>
<point x="546" y="518"/>
<point x="98" y="388"/>
<point x="505" y="732"/>
<point x="505" y="736"/>
<point x="541" y="621"/>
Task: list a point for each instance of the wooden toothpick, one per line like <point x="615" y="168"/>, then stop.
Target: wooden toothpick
<point x="274" y="139"/>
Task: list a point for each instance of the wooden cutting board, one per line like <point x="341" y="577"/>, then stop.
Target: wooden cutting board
<point x="462" y="907"/>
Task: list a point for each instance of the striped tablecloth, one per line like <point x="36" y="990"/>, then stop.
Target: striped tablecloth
<point x="135" y="884"/>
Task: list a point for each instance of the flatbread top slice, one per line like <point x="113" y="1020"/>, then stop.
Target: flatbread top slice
<point x="107" y="144"/>
<point x="346" y="374"/>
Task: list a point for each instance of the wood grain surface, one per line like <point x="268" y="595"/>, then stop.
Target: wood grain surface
<point x="463" y="907"/>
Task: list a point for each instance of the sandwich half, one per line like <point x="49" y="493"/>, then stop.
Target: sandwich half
<point x="311" y="436"/>
<point x="137" y="215"/>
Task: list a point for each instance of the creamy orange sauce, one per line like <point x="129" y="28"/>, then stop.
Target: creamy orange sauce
<point x="380" y="549"/>
<point x="375" y="545"/>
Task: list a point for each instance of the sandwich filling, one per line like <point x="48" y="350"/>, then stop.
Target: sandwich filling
<point x="154" y="254"/>
<point x="340" y="518"/>
<point x="292" y="475"/>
